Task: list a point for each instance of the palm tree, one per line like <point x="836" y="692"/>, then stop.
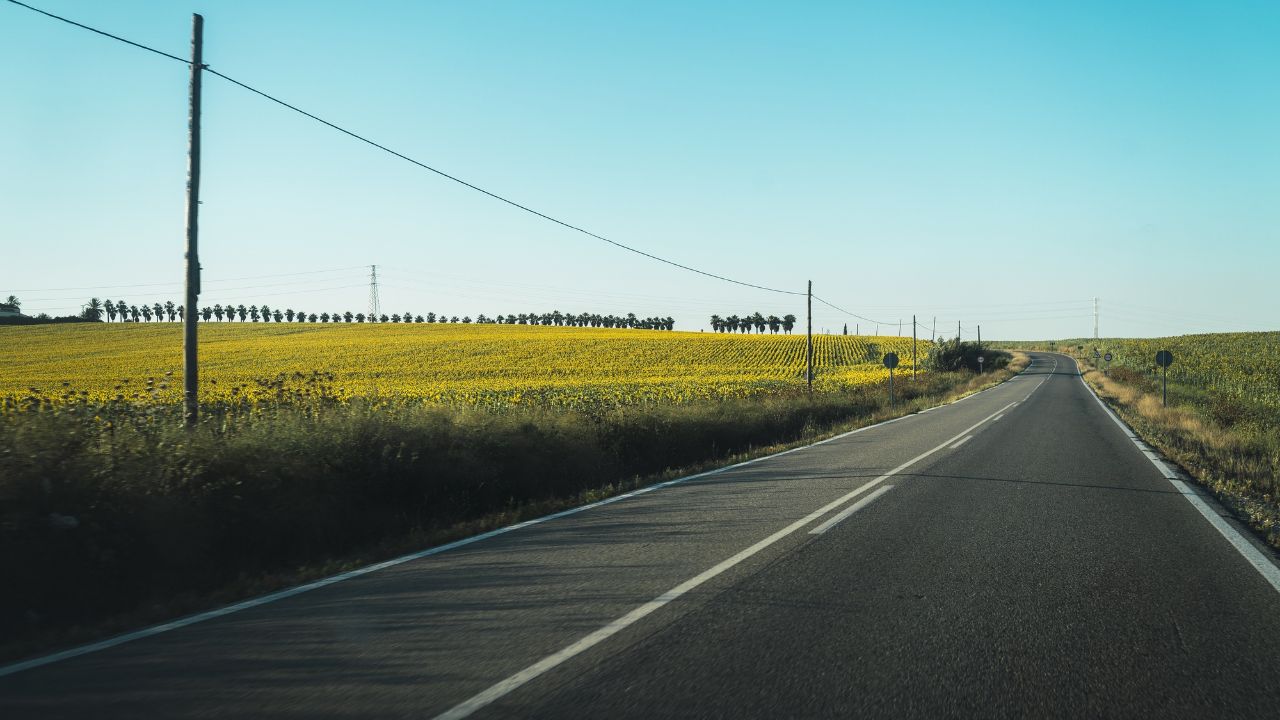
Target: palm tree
<point x="179" y="312"/>
<point x="146" y="313"/>
<point x="288" y="314"/>
<point x="788" y="322"/>
<point x="266" y="313"/>
<point x="775" y="322"/>
<point x="360" y="317"/>
<point x="758" y="321"/>
<point x="242" y="312"/>
<point x="324" y="317"/>
<point x="418" y="319"/>
<point x="133" y="312"/>
<point x="348" y="316"/>
<point x="253" y="312"/>
<point x="716" y="323"/>
<point x="383" y="318"/>
<point x="159" y="311"/>
<point x="171" y="310"/>
<point x="217" y="312"/>
<point x="107" y="306"/>
<point x="312" y="317"/>
<point x="14" y="301"/>
<point x="93" y="310"/>
<point x="302" y="317"/>
<point x="123" y="311"/>
<point x="277" y="315"/>
<point x="206" y="313"/>
<point x="431" y="317"/>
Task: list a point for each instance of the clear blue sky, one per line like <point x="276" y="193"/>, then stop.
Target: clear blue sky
<point x="997" y="163"/>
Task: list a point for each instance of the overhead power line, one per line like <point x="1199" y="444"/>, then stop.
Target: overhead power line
<point x="853" y="314"/>
<point x="418" y="163"/>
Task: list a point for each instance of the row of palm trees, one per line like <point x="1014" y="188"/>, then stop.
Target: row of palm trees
<point x="754" y="321"/>
<point x="122" y="311"/>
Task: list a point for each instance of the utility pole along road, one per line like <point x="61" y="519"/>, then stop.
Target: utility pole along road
<point x="1013" y="554"/>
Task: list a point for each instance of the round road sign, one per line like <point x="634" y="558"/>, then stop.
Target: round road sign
<point x="1107" y="357"/>
<point x="891" y="360"/>
<point x="1164" y="358"/>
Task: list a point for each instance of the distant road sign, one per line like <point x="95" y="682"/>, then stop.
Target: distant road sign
<point x="891" y="360"/>
<point x="1097" y="352"/>
<point x="1164" y="358"/>
<point x="980" y="358"/>
<point x="1107" y="357"/>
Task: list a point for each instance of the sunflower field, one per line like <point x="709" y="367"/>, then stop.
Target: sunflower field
<point x="474" y="365"/>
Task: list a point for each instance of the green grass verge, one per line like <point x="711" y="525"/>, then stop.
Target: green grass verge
<point x="112" y="516"/>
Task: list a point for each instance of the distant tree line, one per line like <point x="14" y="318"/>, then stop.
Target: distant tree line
<point x="754" y="321"/>
<point x="121" y="311"/>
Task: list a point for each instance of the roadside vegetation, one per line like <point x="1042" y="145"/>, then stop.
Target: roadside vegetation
<point x="112" y="515"/>
<point x="1222" y="422"/>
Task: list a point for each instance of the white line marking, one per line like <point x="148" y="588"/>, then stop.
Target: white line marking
<point x="997" y="418"/>
<point x="837" y="519"/>
<point x="963" y="441"/>
<point x="503" y="687"/>
<point x="1260" y="562"/>
<point x="324" y="582"/>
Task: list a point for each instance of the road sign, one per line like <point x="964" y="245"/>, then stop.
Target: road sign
<point x="1164" y="358"/>
<point x="891" y="360"/>
<point x="1107" y="357"/>
<point x="1097" y="352"/>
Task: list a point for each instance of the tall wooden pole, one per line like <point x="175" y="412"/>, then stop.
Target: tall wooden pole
<point x="913" y="347"/>
<point x="809" y="343"/>
<point x="190" y="366"/>
<point x="979" y="337"/>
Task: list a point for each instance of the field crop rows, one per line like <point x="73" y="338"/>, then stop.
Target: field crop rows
<point x="1244" y="367"/>
<point x="487" y="365"/>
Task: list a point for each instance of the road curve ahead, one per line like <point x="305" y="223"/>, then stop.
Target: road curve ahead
<point x="1014" y="554"/>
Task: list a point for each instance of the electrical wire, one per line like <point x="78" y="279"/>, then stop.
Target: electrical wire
<point x="418" y="163"/>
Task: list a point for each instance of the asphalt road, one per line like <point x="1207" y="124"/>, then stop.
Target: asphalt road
<point x="1011" y="555"/>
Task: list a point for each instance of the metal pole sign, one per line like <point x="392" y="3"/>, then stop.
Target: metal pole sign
<point x="891" y="362"/>
<point x="1164" y="359"/>
<point x="1107" y="357"/>
<point x="980" y="360"/>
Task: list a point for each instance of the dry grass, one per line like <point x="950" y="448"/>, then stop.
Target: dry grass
<point x="1239" y="468"/>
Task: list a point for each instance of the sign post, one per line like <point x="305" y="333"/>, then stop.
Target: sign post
<point x="891" y="362"/>
<point x="1164" y="359"/>
<point x="980" y="361"/>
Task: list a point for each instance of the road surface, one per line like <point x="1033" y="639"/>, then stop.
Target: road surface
<point x="1013" y="554"/>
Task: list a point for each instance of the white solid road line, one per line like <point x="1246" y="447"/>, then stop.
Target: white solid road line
<point x="963" y="441"/>
<point x="504" y="687"/>
<point x="997" y="418"/>
<point x="1260" y="561"/>
<point x="850" y="510"/>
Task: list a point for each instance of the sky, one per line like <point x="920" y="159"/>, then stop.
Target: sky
<point x="993" y="164"/>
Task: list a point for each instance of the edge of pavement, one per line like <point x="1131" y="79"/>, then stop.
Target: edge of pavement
<point x="1254" y="551"/>
<point x="187" y="620"/>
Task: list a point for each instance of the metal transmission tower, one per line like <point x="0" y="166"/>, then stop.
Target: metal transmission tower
<point x="374" y="307"/>
<point x="1095" y="318"/>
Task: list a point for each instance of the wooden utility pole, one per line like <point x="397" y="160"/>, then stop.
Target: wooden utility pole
<point x="913" y="347"/>
<point x="957" y="332"/>
<point x="933" y="334"/>
<point x="979" y="337"/>
<point x="809" y="343"/>
<point x="190" y="366"/>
